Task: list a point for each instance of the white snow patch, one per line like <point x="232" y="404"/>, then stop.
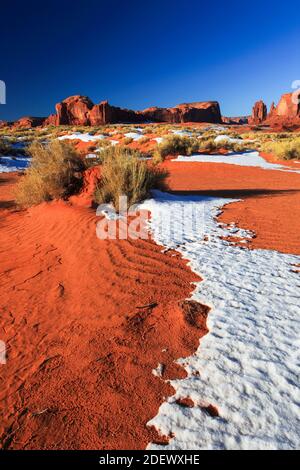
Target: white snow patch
<point x="85" y="137"/>
<point x="158" y="371"/>
<point x="250" y="158"/>
<point x="249" y="361"/>
<point x="134" y="135"/>
<point x="227" y="138"/>
<point x="158" y="139"/>
<point x="181" y="133"/>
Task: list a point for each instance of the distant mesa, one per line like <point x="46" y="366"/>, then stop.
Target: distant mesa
<point x="80" y="110"/>
<point x="235" y="120"/>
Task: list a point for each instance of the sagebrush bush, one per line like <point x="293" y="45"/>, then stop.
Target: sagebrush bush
<point x="56" y="171"/>
<point x="143" y="140"/>
<point x="127" y="140"/>
<point x="287" y="149"/>
<point x="175" y="144"/>
<point x="124" y="173"/>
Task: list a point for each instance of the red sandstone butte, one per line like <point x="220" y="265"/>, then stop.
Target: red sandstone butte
<point x="285" y="114"/>
<point x="81" y="111"/>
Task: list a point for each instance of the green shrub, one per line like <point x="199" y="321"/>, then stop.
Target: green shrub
<point x="56" y="171"/>
<point x="124" y="173"/>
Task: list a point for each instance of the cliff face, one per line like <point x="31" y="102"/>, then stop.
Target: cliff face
<point x="259" y="113"/>
<point x="287" y="107"/>
<point x="29" y="121"/>
<point x="286" y="113"/>
<point x="80" y="110"/>
<point x="207" y="111"/>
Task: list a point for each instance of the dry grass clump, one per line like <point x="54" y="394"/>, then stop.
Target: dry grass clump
<point x="174" y="145"/>
<point x="287" y="149"/>
<point x="149" y="129"/>
<point x="4" y="147"/>
<point x="143" y="140"/>
<point x="127" y="140"/>
<point x="124" y="173"/>
<point x="102" y="143"/>
<point x="56" y="171"/>
<point x="209" y="145"/>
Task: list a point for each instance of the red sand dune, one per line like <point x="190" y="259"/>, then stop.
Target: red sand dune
<point x="81" y="340"/>
<point x="80" y="319"/>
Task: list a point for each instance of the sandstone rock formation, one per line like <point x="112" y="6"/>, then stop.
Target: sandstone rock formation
<point x="287" y="107"/>
<point x="207" y="111"/>
<point x="80" y="110"/>
<point x="285" y="115"/>
<point x="29" y="121"/>
<point x="259" y="113"/>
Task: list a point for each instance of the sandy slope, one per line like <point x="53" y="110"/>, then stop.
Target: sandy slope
<point x="80" y="352"/>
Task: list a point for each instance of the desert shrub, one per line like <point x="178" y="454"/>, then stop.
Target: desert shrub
<point x="127" y="140"/>
<point x="287" y="149"/>
<point x="102" y="143"/>
<point x="143" y="140"/>
<point x="207" y="144"/>
<point x="56" y="171"/>
<point x="148" y="130"/>
<point x="4" y="147"/>
<point x="175" y="144"/>
<point x="238" y="146"/>
<point x="124" y="173"/>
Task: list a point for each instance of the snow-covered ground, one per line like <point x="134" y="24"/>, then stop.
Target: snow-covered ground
<point x="8" y="163"/>
<point x="181" y="132"/>
<point x="248" y="364"/>
<point x="85" y="137"/>
<point x="134" y="135"/>
<point x="227" y="138"/>
<point x="249" y="158"/>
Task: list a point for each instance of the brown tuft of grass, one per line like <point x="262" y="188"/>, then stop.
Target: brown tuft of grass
<point x="56" y="171"/>
<point x="124" y="173"/>
<point x="287" y="149"/>
<point x="173" y="145"/>
<point x="127" y="140"/>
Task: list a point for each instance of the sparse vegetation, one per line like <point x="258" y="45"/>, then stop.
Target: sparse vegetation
<point x="143" y="140"/>
<point x="127" y="140"/>
<point x="287" y="149"/>
<point x="173" y="145"/>
<point x="124" y="173"/>
<point x="55" y="172"/>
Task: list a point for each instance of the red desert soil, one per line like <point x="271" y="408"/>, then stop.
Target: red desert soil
<point x="271" y="199"/>
<point x="85" y="322"/>
<point x="80" y="319"/>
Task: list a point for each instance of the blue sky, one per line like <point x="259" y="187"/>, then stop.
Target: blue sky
<point x="137" y="54"/>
